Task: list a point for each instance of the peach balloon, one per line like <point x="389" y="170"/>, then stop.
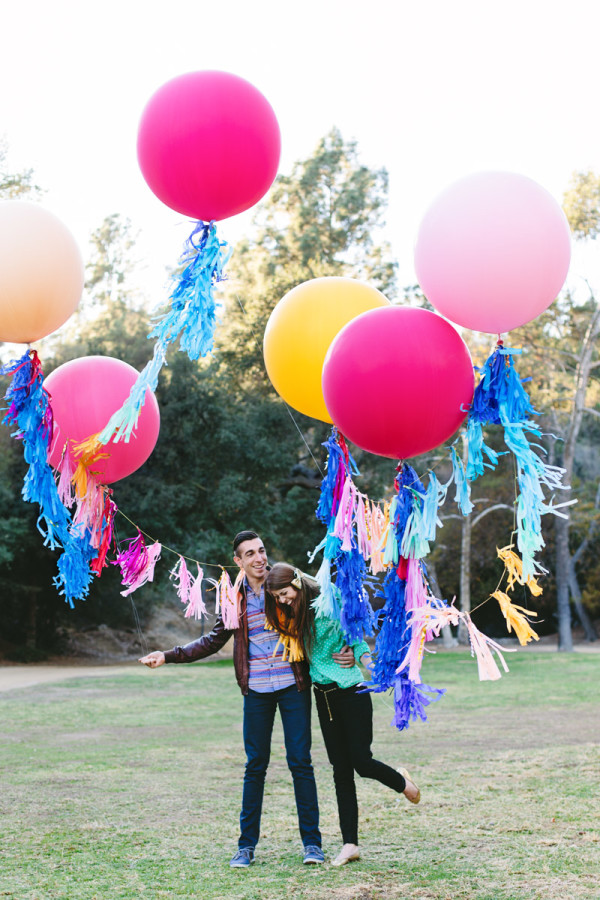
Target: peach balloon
<point x="41" y="272"/>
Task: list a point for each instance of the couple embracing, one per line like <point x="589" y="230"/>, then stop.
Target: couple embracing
<point x="280" y="647"/>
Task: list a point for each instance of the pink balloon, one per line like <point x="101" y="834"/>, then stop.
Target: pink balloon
<point x="398" y="381"/>
<point x="209" y="144"/>
<point x="493" y="251"/>
<point x="84" y="393"/>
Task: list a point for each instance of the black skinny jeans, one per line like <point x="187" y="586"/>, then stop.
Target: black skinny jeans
<point x="346" y="720"/>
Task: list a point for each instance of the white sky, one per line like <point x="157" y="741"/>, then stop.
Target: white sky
<point x="430" y="89"/>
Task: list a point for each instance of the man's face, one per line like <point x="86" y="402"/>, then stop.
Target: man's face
<point x="252" y="558"/>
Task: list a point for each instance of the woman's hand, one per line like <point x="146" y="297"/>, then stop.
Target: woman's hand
<point x="344" y="657"/>
<point x="153" y="660"/>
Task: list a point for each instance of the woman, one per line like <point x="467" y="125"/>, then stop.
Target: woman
<point x="345" y="712"/>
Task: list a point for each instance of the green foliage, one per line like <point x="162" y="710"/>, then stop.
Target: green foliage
<point x="16" y="185"/>
<point x="582" y="204"/>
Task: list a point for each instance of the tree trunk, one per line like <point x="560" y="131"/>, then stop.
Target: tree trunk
<point x="563" y="563"/>
<point x="588" y="626"/>
<point x="447" y="637"/>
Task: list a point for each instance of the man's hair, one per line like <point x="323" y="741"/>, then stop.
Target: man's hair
<point x="243" y="536"/>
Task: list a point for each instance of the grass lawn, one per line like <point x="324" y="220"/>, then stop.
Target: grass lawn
<point x="129" y="786"/>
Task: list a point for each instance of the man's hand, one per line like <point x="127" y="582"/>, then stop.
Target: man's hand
<point x="345" y="657"/>
<point x="153" y="660"/>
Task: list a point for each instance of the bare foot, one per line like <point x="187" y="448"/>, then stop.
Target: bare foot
<point x="348" y="853"/>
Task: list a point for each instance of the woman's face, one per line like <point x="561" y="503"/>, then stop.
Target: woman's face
<point x="285" y="595"/>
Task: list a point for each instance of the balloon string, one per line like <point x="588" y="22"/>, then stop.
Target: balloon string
<point x="171" y="550"/>
<point x="279" y="397"/>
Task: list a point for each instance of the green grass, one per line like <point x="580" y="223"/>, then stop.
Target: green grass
<point x="117" y="788"/>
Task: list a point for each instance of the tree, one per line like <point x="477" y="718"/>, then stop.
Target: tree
<point x="15" y="185"/>
<point x="567" y="334"/>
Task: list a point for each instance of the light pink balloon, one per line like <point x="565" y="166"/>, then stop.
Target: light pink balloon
<point x="398" y="381"/>
<point x="84" y="393"/>
<point x="493" y="251"/>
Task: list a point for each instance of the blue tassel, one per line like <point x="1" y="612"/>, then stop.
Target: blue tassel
<point x="501" y="399"/>
<point x="463" y="488"/>
<point x="191" y="318"/>
<point x="74" y="574"/>
<point x="356" y="616"/>
<point x="30" y="411"/>
<point x="393" y="638"/>
<point x="410" y="700"/>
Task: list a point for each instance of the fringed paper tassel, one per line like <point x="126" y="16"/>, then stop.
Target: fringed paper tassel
<point x="356" y="614"/>
<point x="481" y="648"/>
<point x="328" y="603"/>
<point x="87" y="453"/>
<point x="463" y="488"/>
<point x="65" y="485"/>
<point x="191" y="317"/>
<point x="137" y="563"/>
<point x="196" y="607"/>
<point x="106" y="533"/>
<point x="122" y="422"/>
<point x="516" y="618"/>
<point x="344" y="521"/>
<point x="30" y="412"/>
<point x="411" y="700"/>
<point x="501" y="399"/>
<point x="180" y="574"/>
<point x="227" y="599"/>
<point x="393" y="637"/>
<point x="514" y="571"/>
<point x="376" y="524"/>
<point x="75" y="574"/>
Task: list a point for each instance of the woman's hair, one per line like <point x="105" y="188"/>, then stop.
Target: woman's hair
<point x="296" y="619"/>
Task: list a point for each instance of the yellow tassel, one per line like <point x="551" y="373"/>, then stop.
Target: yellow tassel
<point x="88" y="453"/>
<point x="516" y="618"/>
<point x="292" y="649"/>
<point x="514" y="569"/>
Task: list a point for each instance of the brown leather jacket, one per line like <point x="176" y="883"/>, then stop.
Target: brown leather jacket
<point x="218" y="637"/>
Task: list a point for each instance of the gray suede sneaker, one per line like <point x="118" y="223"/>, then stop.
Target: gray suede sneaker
<point x="313" y="855"/>
<point x="243" y="858"/>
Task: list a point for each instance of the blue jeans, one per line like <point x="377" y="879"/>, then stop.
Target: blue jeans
<point x="259" y="715"/>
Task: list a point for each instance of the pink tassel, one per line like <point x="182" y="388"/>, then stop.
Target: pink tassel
<point x="89" y="511"/>
<point x="227" y="599"/>
<point x="108" y="521"/>
<point x="181" y="574"/>
<point x="137" y="563"/>
<point x="480" y="648"/>
<point x="65" y="486"/>
<point x="377" y="524"/>
<point x="196" y="607"/>
<point x="363" y="539"/>
<point x="345" y="515"/>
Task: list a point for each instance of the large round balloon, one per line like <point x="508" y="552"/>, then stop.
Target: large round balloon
<point x="41" y="272"/>
<point x="209" y="144"/>
<point x="398" y="381"/>
<point x="84" y="393"/>
<point x="493" y="251"/>
<point x="300" y="330"/>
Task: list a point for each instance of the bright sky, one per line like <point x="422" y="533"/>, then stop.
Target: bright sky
<point x="431" y="89"/>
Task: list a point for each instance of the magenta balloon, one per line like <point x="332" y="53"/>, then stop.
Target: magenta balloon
<point x="493" y="251"/>
<point x="398" y="381"/>
<point x="84" y="393"/>
<point x="209" y="144"/>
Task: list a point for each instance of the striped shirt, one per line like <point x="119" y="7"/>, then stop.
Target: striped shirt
<point x="267" y="672"/>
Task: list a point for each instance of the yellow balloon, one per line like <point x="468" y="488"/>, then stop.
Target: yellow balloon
<point x="41" y="272"/>
<point x="300" y="330"/>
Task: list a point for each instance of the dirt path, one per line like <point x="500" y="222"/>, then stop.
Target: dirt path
<point x="12" y="677"/>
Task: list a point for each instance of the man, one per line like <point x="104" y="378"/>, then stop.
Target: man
<point x="267" y="683"/>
